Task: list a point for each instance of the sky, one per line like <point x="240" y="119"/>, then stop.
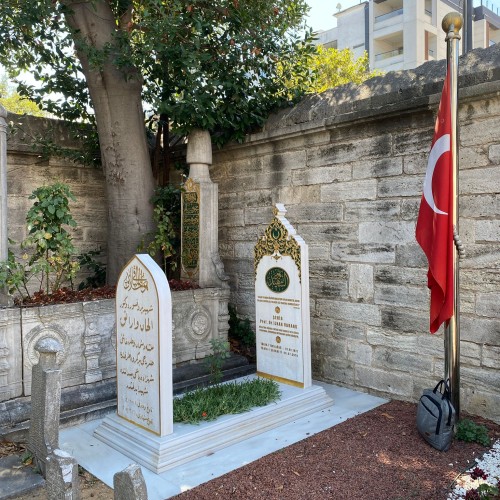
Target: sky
<point x="321" y="13"/>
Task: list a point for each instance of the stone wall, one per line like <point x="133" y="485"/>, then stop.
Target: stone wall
<point x="27" y="169"/>
<point x="349" y="166"/>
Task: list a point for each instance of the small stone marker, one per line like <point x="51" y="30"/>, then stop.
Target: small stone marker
<point x="129" y="484"/>
<point x="62" y="477"/>
<point x="43" y="436"/>
<point x="144" y="346"/>
<point x="282" y="304"/>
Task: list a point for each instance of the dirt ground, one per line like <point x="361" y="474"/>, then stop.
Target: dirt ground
<point x="90" y="486"/>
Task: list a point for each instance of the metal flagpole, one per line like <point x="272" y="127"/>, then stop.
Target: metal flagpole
<point x="467" y="31"/>
<point x="451" y="25"/>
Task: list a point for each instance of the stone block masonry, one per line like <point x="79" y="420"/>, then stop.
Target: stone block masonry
<point x="27" y="170"/>
<point x="349" y="165"/>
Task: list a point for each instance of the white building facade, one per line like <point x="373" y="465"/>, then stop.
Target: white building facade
<point x="402" y="34"/>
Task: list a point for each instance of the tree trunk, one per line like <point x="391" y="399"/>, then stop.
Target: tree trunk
<point x="116" y="97"/>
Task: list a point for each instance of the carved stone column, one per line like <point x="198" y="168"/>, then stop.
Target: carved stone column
<point x="200" y="259"/>
<point x="5" y="300"/>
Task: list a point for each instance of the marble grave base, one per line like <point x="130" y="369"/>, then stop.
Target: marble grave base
<point x="189" y="442"/>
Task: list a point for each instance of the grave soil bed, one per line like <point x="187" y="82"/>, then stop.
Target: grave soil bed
<point x="67" y="295"/>
<point x="377" y="455"/>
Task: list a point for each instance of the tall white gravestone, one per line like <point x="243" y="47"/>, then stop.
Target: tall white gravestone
<point x="282" y="304"/>
<point x="144" y="346"/>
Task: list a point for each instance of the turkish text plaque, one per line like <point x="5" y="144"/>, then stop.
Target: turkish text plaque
<point x="282" y="304"/>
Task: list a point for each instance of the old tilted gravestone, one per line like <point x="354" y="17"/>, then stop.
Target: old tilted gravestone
<point x="62" y="476"/>
<point x="43" y="436"/>
<point x="142" y="427"/>
<point x="129" y="484"/>
<point x="58" y="467"/>
<point x="282" y="304"/>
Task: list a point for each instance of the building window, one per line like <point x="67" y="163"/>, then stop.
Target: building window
<point x="330" y="45"/>
<point x="428" y="7"/>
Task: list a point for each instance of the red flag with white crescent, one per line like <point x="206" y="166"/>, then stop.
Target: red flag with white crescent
<point x="434" y="230"/>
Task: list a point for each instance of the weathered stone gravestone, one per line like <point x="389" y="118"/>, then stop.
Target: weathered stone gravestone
<point x="282" y="304"/>
<point x="43" y="436"/>
<point x="129" y="484"/>
<point x="144" y="346"/>
<point x="62" y="476"/>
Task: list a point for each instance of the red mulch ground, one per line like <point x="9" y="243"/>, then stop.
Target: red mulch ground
<point x="67" y="295"/>
<point x="378" y="455"/>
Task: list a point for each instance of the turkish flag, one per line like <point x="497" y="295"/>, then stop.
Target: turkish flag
<point x="434" y="230"/>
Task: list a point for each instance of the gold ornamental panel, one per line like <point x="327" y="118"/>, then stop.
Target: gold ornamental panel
<point x="277" y="243"/>
<point x="190" y="251"/>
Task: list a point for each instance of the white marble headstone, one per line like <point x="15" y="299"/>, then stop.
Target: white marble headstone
<point x="282" y="304"/>
<point x="144" y="346"/>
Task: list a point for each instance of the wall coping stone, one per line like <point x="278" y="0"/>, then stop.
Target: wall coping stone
<point x="395" y="93"/>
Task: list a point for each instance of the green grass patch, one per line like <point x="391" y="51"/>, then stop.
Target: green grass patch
<point x="224" y="399"/>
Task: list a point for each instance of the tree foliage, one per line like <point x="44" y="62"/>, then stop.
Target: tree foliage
<point x="333" y="67"/>
<point x="219" y="65"/>
<point x="205" y="64"/>
<point x="12" y="101"/>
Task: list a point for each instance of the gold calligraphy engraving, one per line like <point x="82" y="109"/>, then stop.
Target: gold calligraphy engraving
<point x="135" y="280"/>
<point x="277" y="243"/>
<point x="137" y="354"/>
<point x="190" y="227"/>
<point x="277" y="279"/>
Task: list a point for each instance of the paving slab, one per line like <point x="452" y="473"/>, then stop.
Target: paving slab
<point x="17" y="479"/>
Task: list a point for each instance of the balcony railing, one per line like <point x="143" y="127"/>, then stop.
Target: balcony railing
<point x="428" y="12"/>
<point x="388" y="15"/>
<point x="389" y="53"/>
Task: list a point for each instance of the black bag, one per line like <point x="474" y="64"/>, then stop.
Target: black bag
<point x="436" y="416"/>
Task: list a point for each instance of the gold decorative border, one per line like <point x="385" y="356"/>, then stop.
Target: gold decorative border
<point x="282" y="380"/>
<point x="277" y="243"/>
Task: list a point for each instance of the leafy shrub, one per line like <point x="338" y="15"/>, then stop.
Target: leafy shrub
<point x="167" y="216"/>
<point x="215" y="361"/>
<point x="471" y="432"/>
<point x="48" y="257"/>
<point x="97" y="278"/>
<point x="240" y="329"/>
